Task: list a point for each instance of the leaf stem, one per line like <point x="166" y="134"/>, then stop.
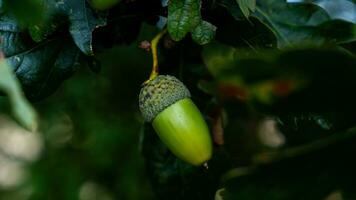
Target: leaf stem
<point x="154" y="44"/>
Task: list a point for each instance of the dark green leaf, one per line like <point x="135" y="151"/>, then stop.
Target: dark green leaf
<point x="203" y="33"/>
<point x="20" y="9"/>
<point x="219" y="57"/>
<point x="305" y="127"/>
<point x="247" y="6"/>
<point x="336" y="9"/>
<point x="183" y="17"/>
<point x="53" y="17"/>
<point x="294" y="24"/>
<point x="42" y="69"/>
<point x="233" y="9"/>
<point x="83" y="21"/>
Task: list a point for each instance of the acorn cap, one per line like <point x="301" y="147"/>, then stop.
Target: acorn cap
<point x="160" y="93"/>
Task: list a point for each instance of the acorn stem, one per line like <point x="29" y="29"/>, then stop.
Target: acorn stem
<point x="154" y="44"/>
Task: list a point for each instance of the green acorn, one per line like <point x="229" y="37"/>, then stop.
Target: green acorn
<point x="165" y="102"/>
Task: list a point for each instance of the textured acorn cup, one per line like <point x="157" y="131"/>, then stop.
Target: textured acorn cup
<point x="165" y="102"/>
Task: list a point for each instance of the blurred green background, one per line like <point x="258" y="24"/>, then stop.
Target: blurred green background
<point x="88" y="145"/>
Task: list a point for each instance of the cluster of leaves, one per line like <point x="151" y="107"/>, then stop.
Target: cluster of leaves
<point x="44" y="48"/>
<point x="273" y="78"/>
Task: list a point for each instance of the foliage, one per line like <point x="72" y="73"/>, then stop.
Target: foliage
<point x="21" y="107"/>
<point x="273" y="78"/>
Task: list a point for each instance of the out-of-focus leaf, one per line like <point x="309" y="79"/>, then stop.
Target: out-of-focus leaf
<point x="284" y="77"/>
<point x="103" y="4"/>
<point x="22" y="109"/>
<point x="247" y="6"/>
<point x="203" y="33"/>
<point x="219" y="195"/>
<point x="299" y="128"/>
<point x="45" y="16"/>
<point x="21" y="8"/>
<point x="336" y="9"/>
<point x="307" y="23"/>
<point x="124" y="24"/>
<point x="294" y="24"/>
<point x="53" y="17"/>
<point x="313" y="174"/>
<point x="183" y="17"/>
<point x="233" y="80"/>
<point x="305" y="127"/>
<point x="218" y="57"/>
<point x="164" y="2"/>
<point x="249" y="33"/>
<point x="233" y="9"/>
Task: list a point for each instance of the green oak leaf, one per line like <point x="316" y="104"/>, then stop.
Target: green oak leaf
<point x="79" y="17"/>
<point x="183" y="17"/>
<point x="232" y="8"/>
<point x="83" y="21"/>
<point x="336" y="9"/>
<point x="204" y="33"/>
<point x="42" y="69"/>
<point x="52" y="19"/>
<point x="297" y="23"/>
<point x="247" y="6"/>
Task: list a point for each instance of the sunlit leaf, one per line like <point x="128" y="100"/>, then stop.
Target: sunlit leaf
<point x="22" y="109"/>
<point x="247" y="6"/>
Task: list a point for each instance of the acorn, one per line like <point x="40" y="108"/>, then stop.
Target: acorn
<point x="165" y="102"/>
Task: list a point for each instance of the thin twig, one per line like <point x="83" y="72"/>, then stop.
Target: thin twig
<point x="154" y="44"/>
